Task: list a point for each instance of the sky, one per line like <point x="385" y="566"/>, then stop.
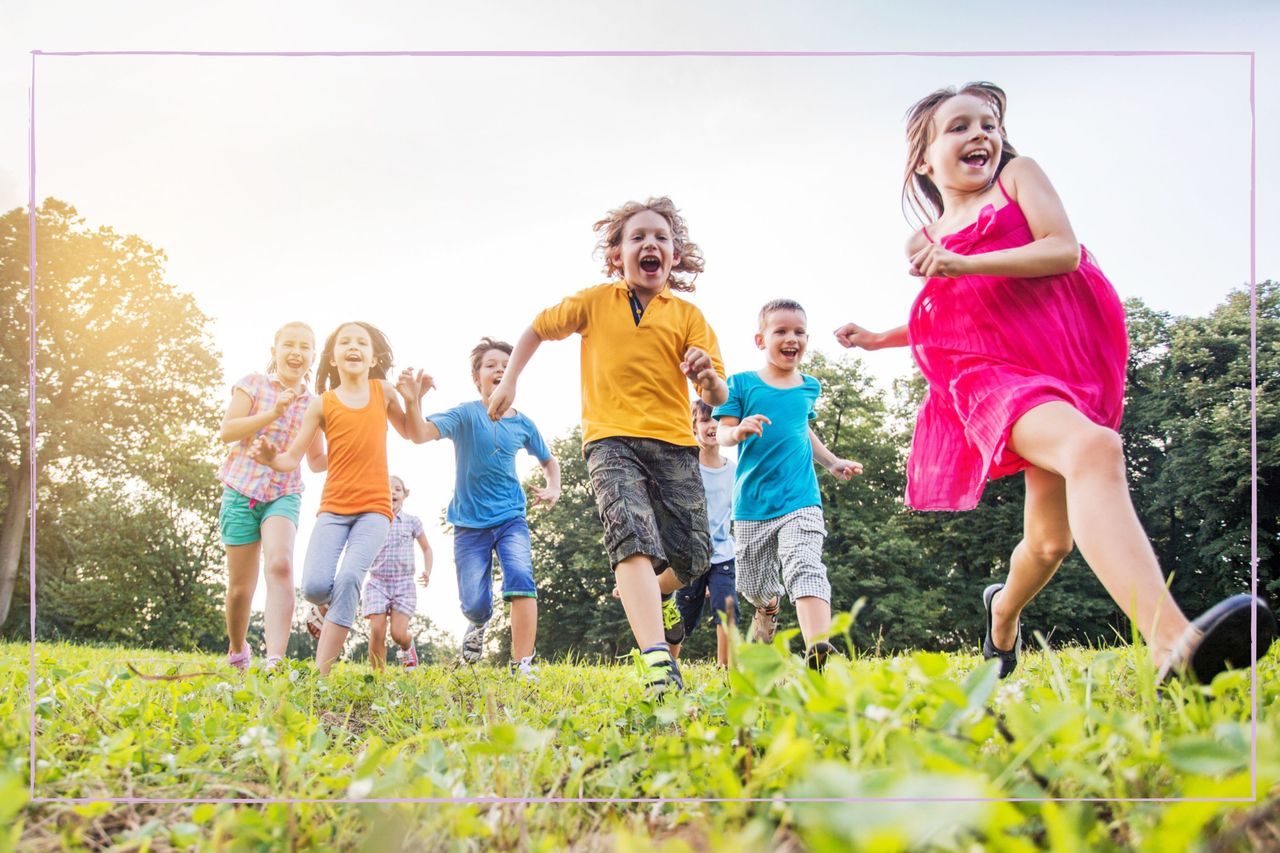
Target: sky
<point x="446" y="198"/>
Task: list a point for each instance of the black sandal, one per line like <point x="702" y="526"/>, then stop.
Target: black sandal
<point x="1008" y="659"/>
<point x="1220" y="638"/>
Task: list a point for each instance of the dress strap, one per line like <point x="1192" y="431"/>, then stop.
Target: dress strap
<point x="1002" y="189"/>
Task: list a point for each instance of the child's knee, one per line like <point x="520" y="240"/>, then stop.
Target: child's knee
<point x="1098" y="449"/>
<point x="316" y="591"/>
<point x="279" y="567"/>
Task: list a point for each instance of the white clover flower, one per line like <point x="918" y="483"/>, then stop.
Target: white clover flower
<point x="876" y="713"/>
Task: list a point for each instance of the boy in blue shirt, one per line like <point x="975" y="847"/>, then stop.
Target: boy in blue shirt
<point x="488" y="507"/>
<point x="777" y="508"/>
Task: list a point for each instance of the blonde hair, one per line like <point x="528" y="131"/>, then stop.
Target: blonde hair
<point x="779" y="305"/>
<point x="920" y="196"/>
<point x="275" y="339"/>
<point x="611" y="228"/>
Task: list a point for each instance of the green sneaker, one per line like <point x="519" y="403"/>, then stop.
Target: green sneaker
<point x="659" y="671"/>
<point x="672" y="621"/>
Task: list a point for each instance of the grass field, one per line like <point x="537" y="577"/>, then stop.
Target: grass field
<point x="1074" y="723"/>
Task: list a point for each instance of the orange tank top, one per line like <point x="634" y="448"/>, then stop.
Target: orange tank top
<point x="357" y="481"/>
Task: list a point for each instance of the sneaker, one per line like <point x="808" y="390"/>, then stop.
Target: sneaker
<point x="240" y="660"/>
<point x="408" y="658"/>
<point x="315" y="621"/>
<point x="273" y="661"/>
<point x="661" y="671"/>
<point x="816" y="657"/>
<point x="525" y="668"/>
<point x="765" y="623"/>
<point x="672" y="621"/>
<point x="473" y="643"/>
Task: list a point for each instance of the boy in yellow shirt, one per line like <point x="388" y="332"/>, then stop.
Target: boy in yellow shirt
<point x="641" y="346"/>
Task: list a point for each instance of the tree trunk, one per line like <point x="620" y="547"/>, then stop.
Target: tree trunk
<point x="13" y="533"/>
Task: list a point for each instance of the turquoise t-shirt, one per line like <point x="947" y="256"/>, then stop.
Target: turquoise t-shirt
<point x="775" y="470"/>
<point x="486" y="490"/>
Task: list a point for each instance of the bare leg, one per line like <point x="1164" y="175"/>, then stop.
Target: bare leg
<point x="400" y="630"/>
<point x="330" y="645"/>
<point x="377" y="640"/>
<point x="814" y="616"/>
<point x="277" y="551"/>
<point x="722" y="646"/>
<point x="641" y="599"/>
<point x="524" y="626"/>
<point x="668" y="582"/>
<point x="1046" y="542"/>
<point x="242" y="580"/>
<point x="1090" y="458"/>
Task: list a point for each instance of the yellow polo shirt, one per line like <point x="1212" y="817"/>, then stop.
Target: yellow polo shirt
<point x="631" y="379"/>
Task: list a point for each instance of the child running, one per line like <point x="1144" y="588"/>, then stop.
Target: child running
<point x="1022" y="341"/>
<point x="390" y="590"/>
<point x="488" y="507"/>
<point x="718" y="583"/>
<point x="641" y="345"/>
<point x="777" y="508"/>
<point x="259" y="514"/>
<point x="355" y="507"/>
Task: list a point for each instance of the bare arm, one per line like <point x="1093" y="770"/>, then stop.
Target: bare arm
<point x="852" y="335"/>
<point x="238" y="424"/>
<point x="1053" y="249"/>
<point x="733" y="432"/>
<point x="317" y="455"/>
<point x="551" y="492"/>
<point x="427" y="559"/>
<point x="412" y="386"/>
<point x="504" y="396"/>
<point x="841" y="469"/>
<point x="312" y="421"/>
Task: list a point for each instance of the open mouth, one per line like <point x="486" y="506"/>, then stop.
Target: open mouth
<point x="294" y="363"/>
<point x="650" y="265"/>
<point x="789" y="352"/>
<point x="354" y="358"/>
<point x="976" y="158"/>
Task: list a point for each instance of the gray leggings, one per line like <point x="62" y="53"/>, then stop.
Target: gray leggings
<point x="324" y="581"/>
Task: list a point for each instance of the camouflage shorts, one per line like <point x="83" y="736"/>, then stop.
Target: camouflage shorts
<point x="651" y="502"/>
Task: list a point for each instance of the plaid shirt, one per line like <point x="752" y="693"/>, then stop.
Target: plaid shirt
<point x="253" y="479"/>
<point x="396" y="557"/>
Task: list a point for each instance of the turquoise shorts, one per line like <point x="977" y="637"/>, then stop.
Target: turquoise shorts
<point x="241" y="517"/>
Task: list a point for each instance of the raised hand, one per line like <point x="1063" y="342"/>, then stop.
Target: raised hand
<point x="413" y="385"/>
<point x="501" y="400"/>
<point x="934" y="261"/>
<point x="750" y="425"/>
<point x="845" y="469"/>
<point x="852" y="335"/>
<point x="285" y="400"/>
<point x="697" y="365"/>
<point x="263" y="451"/>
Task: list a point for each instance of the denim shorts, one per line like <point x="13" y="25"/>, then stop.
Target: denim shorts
<point x="651" y="501"/>
<point x="240" y="517"/>
<point x="718" y="585"/>
<point x="473" y="550"/>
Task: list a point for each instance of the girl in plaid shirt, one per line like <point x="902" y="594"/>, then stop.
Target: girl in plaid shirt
<point x="259" y="514"/>
<point x="389" y="590"/>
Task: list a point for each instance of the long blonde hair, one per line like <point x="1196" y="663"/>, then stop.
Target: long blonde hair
<point x="920" y="196"/>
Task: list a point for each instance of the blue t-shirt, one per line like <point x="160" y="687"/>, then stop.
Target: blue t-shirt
<point x="486" y="491"/>
<point x="775" y="470"/>
<point x="718" y="484"/>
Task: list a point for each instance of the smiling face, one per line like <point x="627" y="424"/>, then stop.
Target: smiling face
<point x="293" y="354"/>
<point x="965" y="149"/>
<point x="784" y="338"/>
<point x="647" y="252"/>
<point x="704" y="429"/>
<point x="490" y="370"/>
<point x="352" y="350"/>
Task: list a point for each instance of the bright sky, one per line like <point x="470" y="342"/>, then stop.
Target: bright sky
<point x="446" y="198"/>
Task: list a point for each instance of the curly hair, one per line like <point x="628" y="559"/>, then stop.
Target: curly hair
<point x="920" y="196"/>
<point x="611" y="228"/>
<point x="327" y="376"/>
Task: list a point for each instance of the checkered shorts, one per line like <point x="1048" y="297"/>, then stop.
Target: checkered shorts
<point x="789" y="545"/>
<point x="384" y="593"/>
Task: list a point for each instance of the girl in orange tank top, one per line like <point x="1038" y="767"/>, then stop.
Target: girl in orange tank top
<point x="355" y="404"/>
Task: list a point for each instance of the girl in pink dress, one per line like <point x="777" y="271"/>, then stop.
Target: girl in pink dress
<point x="1022" y="341"/>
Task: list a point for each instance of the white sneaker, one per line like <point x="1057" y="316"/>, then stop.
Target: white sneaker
<point x="525" y="668"/>
<point x="473" y="643"/>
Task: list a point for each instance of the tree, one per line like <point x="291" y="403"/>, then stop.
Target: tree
<point x="125" y="377"/>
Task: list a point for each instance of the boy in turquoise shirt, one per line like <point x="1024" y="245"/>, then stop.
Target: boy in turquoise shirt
<point x="777" y="508"/>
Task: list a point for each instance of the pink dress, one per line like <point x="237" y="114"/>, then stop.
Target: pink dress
<point x="992" y="348"/>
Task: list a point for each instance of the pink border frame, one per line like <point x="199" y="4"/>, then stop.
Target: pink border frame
<point x="1253" y="413"/>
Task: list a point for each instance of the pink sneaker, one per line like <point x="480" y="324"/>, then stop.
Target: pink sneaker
<point x="408" y="658"/>
<point x="240" y="660"/>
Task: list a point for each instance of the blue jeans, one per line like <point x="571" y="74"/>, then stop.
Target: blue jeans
<point x="720" y="581"/>
<point x="473" y="550"/>
<point x="324" y="581"/>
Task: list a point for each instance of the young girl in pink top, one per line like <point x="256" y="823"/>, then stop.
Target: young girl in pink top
<point x="259" y="514"/>
<point x="1022" y="341"/>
